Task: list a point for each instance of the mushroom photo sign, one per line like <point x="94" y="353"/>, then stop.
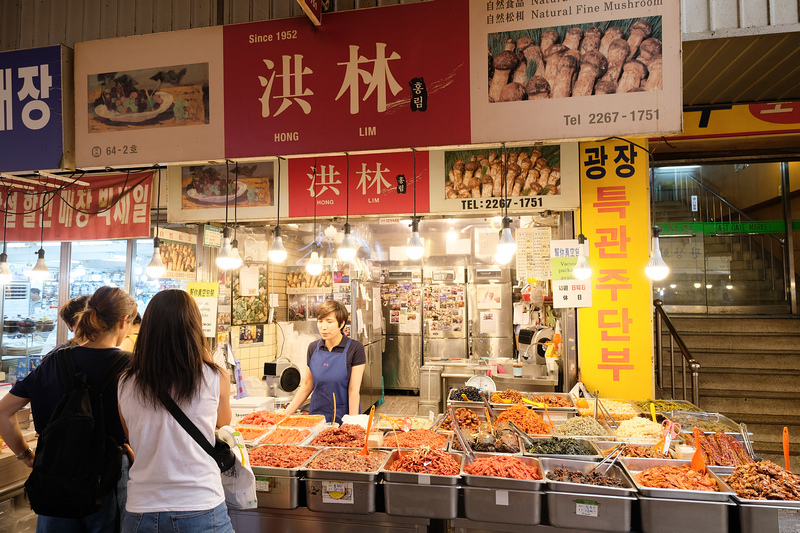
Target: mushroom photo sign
<point x="570" y="69"/>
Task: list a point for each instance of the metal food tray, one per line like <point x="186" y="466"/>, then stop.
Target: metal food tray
<point x="522" y="507"/>
<point x="787" y="504"/>
<point x="549" y="464"/>
<point x="454" y="442"/>
<point x="607" y="444"/>
<point x="567" y="396"/>
<point x="478" y="409"/>
<point x="461" y="402"/>
<point x="667" y="515"/>
<point x="344" y="475"/>
<point x="420" y="479"/>
<point x="283" y="472"/>
<point x="382" y="423"/>
<point x="277" y="492"/>
<point x="603" y="423"/>
<point x="389" y="442"/>
<point x="687" y="421"/>
<point x="757" y="518"/>
<point x="624" y="416"/>
<point x="596" y="456"/>
<point x="613" y="512"/>
<point x="676" y="402"/>
<point x="634" y="465"/>
<point x="423" y="501"/>
<point x="492" y="482"/>
<point x="362" y="497"/>
<point x="305" y="442"/>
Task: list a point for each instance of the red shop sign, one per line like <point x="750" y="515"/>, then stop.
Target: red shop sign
<point x="369" y="79"/>
<point x="111" y="207"/>
<point x="373" y="190"/>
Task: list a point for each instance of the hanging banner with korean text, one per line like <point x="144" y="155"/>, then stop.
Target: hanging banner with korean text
<point x="379" y="184"/>
<point x="368" y="79"/>
<point x="113" y="206"/>
<point x="205" y="294"/>
<point x="566" y="70"/>
<point x="615" y="334"/>
<point x="535" y="178"/>
<point x="147" y="98"/>
<point x="178" y="253"/>
<point x="36" y="128"/>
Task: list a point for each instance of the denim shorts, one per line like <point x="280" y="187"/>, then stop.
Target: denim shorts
<point x="214" y="520"/>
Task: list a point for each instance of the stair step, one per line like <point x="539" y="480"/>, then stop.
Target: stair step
<point x="746" y="359"/>
<point x="755" y="419"/>
<point x="770" y="324"/>
<point x="745" y="395"/>
<point x="744" y="340"/>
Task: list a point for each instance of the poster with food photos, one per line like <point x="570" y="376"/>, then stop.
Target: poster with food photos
<point x="179" y="254"/>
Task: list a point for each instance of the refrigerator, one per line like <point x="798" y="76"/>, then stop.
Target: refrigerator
<point x="401" y="295"/>
<point x="367" y="327"/>
<point x="444" y="313"/>
<point x="491" y="328"/>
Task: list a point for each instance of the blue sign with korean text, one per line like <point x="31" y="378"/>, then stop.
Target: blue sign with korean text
<point x="31" y="110"/>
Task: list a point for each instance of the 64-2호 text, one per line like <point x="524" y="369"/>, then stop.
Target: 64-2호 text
<point x="500" y="203"/>
<point x="610" y="117"/>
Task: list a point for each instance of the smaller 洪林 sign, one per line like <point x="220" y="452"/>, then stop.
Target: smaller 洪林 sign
<point x="313" y="9"/>
<point x="569" y="70"/>
<point x="36" y="128"/>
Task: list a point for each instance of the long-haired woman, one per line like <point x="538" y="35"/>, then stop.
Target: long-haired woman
<point x="174" y="484"/>
<point x="103" y="323"/>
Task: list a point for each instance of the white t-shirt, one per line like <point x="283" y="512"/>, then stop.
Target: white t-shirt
<point x="171" y="472"/>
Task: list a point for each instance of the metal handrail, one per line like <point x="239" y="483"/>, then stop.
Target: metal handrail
<point x="660" y="316"/>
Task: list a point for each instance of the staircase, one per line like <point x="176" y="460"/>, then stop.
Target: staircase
<point x="749" y="371"/>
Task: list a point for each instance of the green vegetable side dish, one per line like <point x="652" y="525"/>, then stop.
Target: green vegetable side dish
<point x="553" y="446"/>
<point x="663" y="406"/>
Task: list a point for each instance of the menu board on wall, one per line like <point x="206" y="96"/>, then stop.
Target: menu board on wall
<point x="567" y="70"/>
<point x="533" y="253"/>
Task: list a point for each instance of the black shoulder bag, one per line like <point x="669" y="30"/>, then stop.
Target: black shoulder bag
<point x="221" y="452"/>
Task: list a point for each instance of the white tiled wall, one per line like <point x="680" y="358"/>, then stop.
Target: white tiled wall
<point x="253" y="358"/>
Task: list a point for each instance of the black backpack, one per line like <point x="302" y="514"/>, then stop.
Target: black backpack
<point x="77" y="463"/>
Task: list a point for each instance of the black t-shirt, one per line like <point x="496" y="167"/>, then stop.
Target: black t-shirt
<point x="44" y="389"/>
<point x="355" y="355"/>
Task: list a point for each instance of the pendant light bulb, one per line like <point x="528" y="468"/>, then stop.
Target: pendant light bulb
<point x="39" y="271"/>
<point x="502" y="258"/>
<point x="5" y="272"/>
<point x="155" y="269"/>
<point x="656" y="268"/>
<point x="415" y="249"/>
<point x="314" y="265"/>
<point x="507" y="246"/>
<point x="347" y="250"/>
<point x="236" y="258"/>
<point x="277" y="254"/>
<point x="452" y="236"/>
<point x="582" y="268"/>
<point x="225" y="258"/>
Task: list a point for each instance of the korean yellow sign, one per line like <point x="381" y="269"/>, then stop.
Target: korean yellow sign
<point x="727" y="120"/>
<point x="615" y="334"/>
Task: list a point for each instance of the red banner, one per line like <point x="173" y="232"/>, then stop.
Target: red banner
<point x="111" y="207"/>
<point x="369" y="79"/>
<point x="375" y="188"/>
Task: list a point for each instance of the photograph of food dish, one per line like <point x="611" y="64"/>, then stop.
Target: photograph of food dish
<point x="204" y="186"/>
<point x="529" y="171"/>
<point x="599" y="58"/>
<point x="166" y="96"/>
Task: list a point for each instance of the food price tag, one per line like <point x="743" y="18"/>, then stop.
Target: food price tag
<point x="501" y="497"/>
<point x="424" y="479"/>
<point x="262" y="484"/>
<point x="586" y="508"/>
<point x="337" y="492"/>
<point x="788" y="520"/>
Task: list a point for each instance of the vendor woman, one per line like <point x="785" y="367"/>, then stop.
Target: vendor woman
<point x="335" y="367"/>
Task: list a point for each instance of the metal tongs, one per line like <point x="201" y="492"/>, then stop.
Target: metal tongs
<point x="461" y="439"/>
<point x="488" y="406"/>
<point x="748" y="444"/>
<point x="526" y="439"/>
<point x="611" y="422"/>
<point x="610" y="459"/>
<point x="439" y="422"/>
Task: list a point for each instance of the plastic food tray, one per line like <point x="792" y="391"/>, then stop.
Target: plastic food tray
<point x="688" y="420"/>
<point x="344" y="475"/>
<point x="419" y="500"/>
<point x="666" y="515"/>
<point x="282" y="472"/>
<point x="634" y="465"/>
<point x="593" y="512"/>
<point x="595" y="456"/>
<point x="420" y="479"/>
<point x="549" y="464"/>
<point x="501" y="482"/>
<point x="522" y="507"/>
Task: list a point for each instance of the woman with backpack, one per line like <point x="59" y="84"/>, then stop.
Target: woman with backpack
<point x="174" y="484"/>
<point x="103" y="324"/>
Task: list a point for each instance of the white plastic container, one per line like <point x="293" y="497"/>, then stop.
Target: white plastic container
<point x="245" y="406"/>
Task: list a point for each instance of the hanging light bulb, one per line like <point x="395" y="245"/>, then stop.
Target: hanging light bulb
<point x="582" y="268"/>
<point x="40" y="271"/>
<point x="507" y="246"/>
<point x="656" y="268"/>
<point x="314" y="265"/>
<point x="5" y="272"/>
<point x="502" y="258"/>
<point x="347" y="250"/>
<point x="155" y="269"/>
<point x="237" y="259"/>
<point x="452" y="236"/>
<point x="277" y="254"/>
<point x="225" y="258"/>
<point x="415" y="249"/>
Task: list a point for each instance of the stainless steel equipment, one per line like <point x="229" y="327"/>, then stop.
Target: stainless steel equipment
<point x="491" y="331"/>
<point x="283" y="379"/>
<point x="444" y="313"/>
<point x="367" y="327"/>
<point x="532" y="341"/>
<point x="401" y="298"/>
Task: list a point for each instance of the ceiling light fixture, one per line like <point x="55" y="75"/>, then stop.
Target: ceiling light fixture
<point x="347" y="249"/>
<point x="582" y="269"/>
<point x="452" y="236"/>
<point x="415" y="248"/>
<point x="40" y="271"/>
<point x="237" y="259"/>
<point x="506" y="245"/>
<point x="155" y="269"/>
<point x="225" y="257"/>
<point x="277" y="253"/>
<point x="5" y="272"/>
<point x="656" y="268"/>
<point x="314" y="265"/>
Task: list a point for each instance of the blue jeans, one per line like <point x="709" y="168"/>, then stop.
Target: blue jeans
<point x="214" y="520"/>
